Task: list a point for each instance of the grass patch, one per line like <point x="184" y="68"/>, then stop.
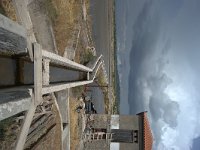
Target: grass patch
<point x="106" y="101"/>
<point x="7" y="9"/>
<point x="86" y="57"/>
<point x="83" y="54"/>
<point x="51" y="10"/>
<point x="75" y="127"/>
<point x="65" y="17"/>
<point x="101" y="80"/>
<point x="115" y="76"/>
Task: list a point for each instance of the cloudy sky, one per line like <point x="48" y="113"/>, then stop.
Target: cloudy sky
<point x="159" y="67"/>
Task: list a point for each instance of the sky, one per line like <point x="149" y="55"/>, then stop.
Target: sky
<point x="158" y="51"/>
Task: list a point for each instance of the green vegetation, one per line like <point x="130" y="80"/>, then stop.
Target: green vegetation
<point x="65" y="18"/>
<point x="101" y="80"/>
<point x="115" y="76"/>
<point x="86" y="57"/>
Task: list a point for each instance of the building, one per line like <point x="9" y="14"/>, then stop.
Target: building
<point x="118" y="132"/>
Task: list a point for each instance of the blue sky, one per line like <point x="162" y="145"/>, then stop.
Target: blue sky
<point x="158" y="61"/>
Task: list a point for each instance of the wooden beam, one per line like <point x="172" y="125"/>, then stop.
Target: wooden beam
<point x="56" y="59"/>
<point x="45" y="72"/>
<point x="62" y="86"/>
<point x="25" y="128"/>
<point x="66" y="132"/>
<point x="58" y="119"/>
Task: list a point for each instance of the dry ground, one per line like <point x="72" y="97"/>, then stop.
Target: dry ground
<point x="7" y="9"/>
<point x="52" y="138"/>
<point x="67" y="20"/>
<point x="9" y="129"/>
<point x="75" y="119"/>
<point x="65" y="16"/>
<point x="74" y="135"/>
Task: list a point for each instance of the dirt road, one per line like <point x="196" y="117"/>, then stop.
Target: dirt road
<point x="100" y="11"/>
<point x="102" y="27"/>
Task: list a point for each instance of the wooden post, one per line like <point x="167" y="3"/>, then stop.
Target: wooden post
<point x="63" y="86"/>
<point x="37" y="73"/>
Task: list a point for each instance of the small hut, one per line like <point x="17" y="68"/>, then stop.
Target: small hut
<point x="118" y="132"/>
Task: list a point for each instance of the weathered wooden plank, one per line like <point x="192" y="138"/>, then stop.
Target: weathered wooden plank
<point x="38" y="121"/>
<point x="39" y="130"/>
<point x="37" y="73"/>
<point x="13" y="39"/>
<point x="63" y="86"/>
<point x="45" y="72"/>
<point x="56" y="59"/>
<point x="12" y="26"/>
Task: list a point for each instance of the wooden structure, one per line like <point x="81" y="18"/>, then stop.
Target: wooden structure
<point x="14" y="41"/>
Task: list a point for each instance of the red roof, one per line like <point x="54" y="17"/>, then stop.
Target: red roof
<point x="148" y="137"/>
